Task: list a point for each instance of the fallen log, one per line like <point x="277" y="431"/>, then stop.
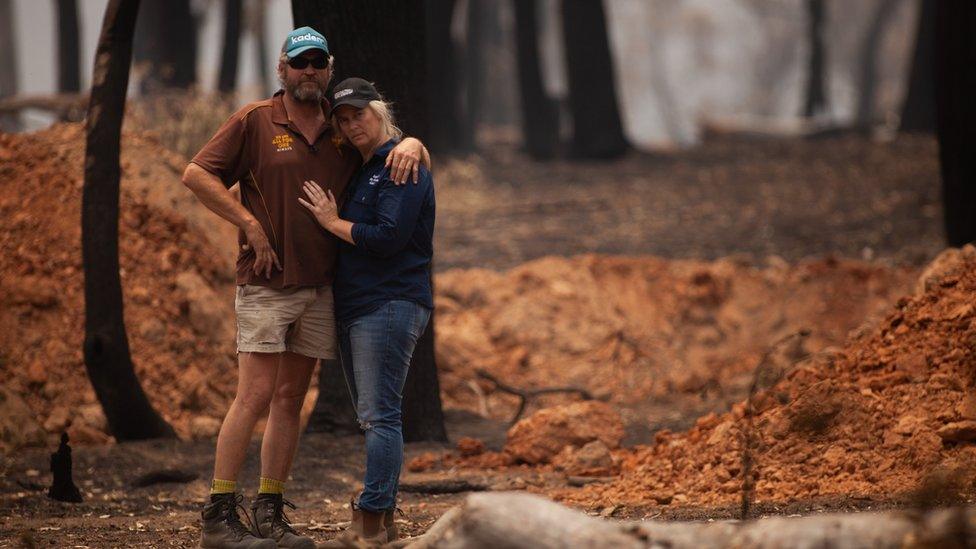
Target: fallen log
<point x="442" y="486"/>
<point x="67" y="106"/>
<point x="515" y="520"/>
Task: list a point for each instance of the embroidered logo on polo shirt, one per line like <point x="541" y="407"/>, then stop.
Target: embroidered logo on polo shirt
<point x="282" y="142"/>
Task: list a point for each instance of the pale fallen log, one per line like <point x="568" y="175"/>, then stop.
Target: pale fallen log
<point x="515" y="520"/>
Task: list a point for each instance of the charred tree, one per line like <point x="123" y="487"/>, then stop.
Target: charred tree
<point x="373" y="39"/>
<point x="106" y="349"/>
<point x="227" y="81"/>
<point x="868" y="79"/>
<point x="815" y="101"/>
<point x="473" y="75"/>
<point x="167" y="46"/>
<point x="69" y="73"/>
<point x="597" y="130"/>
<point x="540" y="114"/>
<point x="443" y="79"/>
<point x="955" y="88"/>
<point x="257" y="16"/>
<point x="918" y="111"/>
<point x="369" y="39"/>
<point x="8" y="65"/>
<point x="334" y="411"/>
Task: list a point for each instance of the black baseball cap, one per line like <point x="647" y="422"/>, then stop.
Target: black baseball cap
<point x="355" y="92"/>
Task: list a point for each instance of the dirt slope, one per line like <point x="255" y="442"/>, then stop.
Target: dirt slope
<point x="175" y="279"/>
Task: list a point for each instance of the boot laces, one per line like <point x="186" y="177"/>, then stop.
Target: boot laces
<point x="231" y="517"/>
<point x="280" y="519"/>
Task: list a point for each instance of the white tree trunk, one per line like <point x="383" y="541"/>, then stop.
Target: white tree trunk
<point x="513" y="520"/>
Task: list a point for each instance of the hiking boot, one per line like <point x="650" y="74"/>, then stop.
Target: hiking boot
<point x="389" y="522"/>
<point x="222" y="528"/>
<point x="271" y="522"/>
<point x="367" y="529"/>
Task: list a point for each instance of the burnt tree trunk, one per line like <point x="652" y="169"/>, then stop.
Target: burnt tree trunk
<point x="334" y="411"/>
<point x="371" y="39"/>
<point x="918" y="111"/>
<point x="597" y="130"/>
<point x="257" y="16"/>
<point x="955" y="88"/>
<point x="816" y="91"/>
<point x="443" y="80"/>
<point x="227" y="81"/>
<point x="106" y="349"/>
<point x="475" y="62"/>
<point x="69" y="73"/>
<point x="540" y="114"/>
<point x="868" y="79"/>
<point x="377" y="41"/>
<point x="9" y="122"/>
<point x="167" y="45"/>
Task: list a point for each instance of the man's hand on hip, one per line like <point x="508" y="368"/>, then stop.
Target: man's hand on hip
<point x="264" y="255"/>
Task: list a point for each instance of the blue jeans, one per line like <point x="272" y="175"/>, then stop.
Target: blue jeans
<point x="375" y="349"/>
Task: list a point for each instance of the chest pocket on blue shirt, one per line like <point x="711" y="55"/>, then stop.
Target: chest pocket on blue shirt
<point x="365" y="203"/>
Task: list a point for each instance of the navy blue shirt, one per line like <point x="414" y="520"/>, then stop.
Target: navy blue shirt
<point x="393" y="228"/>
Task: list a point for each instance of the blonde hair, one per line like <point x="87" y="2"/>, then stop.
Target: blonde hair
<point x="384" y="111"/>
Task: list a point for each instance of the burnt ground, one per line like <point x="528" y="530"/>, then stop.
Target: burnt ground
<point x="324" y="477"/>
<point x="793" y="198"/>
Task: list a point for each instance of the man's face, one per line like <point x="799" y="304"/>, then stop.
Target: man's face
<point x="308" y="83"/>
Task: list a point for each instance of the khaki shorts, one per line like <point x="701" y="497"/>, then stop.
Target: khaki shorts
<point x="299" y="320"/>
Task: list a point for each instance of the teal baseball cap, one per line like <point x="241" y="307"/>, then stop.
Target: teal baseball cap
<point x="303" y="39"/>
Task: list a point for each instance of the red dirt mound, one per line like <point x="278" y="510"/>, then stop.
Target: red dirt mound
<point x="883" y="417"/>
<point x="543" y="435"/>
<point x="171" y="276"/>
<point x="643" y="331"/>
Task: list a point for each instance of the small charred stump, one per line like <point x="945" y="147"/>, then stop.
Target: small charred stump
<point x="63" y="488"/>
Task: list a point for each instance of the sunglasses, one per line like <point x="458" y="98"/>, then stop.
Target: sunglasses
<point x="318" y="62"/>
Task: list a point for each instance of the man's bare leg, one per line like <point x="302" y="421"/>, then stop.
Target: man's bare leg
<point x="284" y="421"/>
<point x="255" y="389"/>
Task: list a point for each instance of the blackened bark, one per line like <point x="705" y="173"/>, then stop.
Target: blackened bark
<point x="69" y="73"/>
<point x="167" y="45"/>
<point x="597" y="130"/>
<point x="540" y="114"/>
<point x="918" y="111"/>
<point x="443" y="79"/>
<point x="955" y="88"/>
<point x="868" y="80"/>
<point x="258" y="17"/>
<point x="106" y="349"/>
<point x="475" y="66"/>
<point x="377" y="40"/>
<point x="423" y="416"/>
<point x="227" y="81"/>
<point x="8" y="65"/>
<point x="816" y="91"/>
<point x="334" y="411"/>
<point x="374" y="39"/>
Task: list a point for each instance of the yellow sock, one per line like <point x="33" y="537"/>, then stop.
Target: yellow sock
<point x="271" y="486"/>
<point x="223" y="486"/>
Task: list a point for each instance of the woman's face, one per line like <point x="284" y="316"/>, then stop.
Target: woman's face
<point x="360" y="126"/>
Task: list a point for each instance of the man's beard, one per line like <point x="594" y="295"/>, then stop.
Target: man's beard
<point x="300" y="92"/>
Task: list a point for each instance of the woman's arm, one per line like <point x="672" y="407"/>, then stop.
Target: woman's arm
<point x="397" y="211"/>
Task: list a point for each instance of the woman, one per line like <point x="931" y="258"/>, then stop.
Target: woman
<point x="382" y="290"/>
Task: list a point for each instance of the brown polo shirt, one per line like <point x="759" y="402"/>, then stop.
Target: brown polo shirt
<point x="260" y="147"/>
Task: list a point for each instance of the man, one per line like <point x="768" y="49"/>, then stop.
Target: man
<point x="284" y="307"/>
